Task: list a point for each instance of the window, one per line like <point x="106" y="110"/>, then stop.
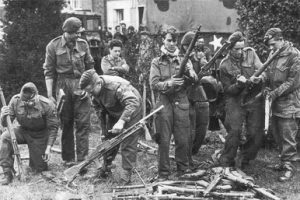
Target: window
<point x="120" y="15"/>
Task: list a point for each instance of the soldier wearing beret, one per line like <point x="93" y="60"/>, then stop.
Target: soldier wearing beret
<point x="238" y="66"/>
<point x="67" y="57"/>
<point x="283" y="81"/>
<point x="171" y="92"/>
<point x="37" y="127"/>
<point x="116" y="98"/>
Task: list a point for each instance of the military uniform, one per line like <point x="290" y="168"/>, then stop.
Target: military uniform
<point x="66" y="66"/>
<point x="283" y="77"/>
<point x="252" y="114"/>
<point x="114" y="66"/>
<point x="174" y="118"/>
<point x="120" y="101"/>
<point x="37" y="127"/>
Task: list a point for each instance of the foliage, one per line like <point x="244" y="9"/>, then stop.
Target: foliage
<point x="31" y="24"/>
<point x="257" y="16"/>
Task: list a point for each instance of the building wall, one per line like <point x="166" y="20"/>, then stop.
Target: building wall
<point x="130" y="12"/>
<point x="98" y="7"/>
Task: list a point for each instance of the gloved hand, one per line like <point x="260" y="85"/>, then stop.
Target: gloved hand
<point x="118" y="127"/>
<point x="175" y="81"/>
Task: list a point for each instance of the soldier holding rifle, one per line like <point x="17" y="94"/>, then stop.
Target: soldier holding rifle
<point x="171" y="92"/>
<point x="37" y="127"/>
<point x="283" y="80"/>
<point x="117" y="98"/>
<point x="238" y="66"/>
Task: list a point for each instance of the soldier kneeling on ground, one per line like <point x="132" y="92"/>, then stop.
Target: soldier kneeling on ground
<point x="37" y="127"/>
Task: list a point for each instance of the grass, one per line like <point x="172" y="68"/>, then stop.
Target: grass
<point x="36" y="188"/>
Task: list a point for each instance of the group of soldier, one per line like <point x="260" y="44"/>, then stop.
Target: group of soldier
<point x="69" y="65"/>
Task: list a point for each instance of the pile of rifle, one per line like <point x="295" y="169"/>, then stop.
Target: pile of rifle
<point x="215" y="183"/>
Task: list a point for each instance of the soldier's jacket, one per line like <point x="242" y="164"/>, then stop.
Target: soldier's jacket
<point x="61" y="60"/>
<point x="162" y="69"/>
<point x="283" y="77"/>
<point x="118" y="98"/>
<point x="42" y="115"/>
<point x="230" y="69"/>
<point x="119" y="64"/>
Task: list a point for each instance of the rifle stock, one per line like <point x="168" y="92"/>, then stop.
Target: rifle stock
<point x="13" y="140"/>
<point x="105" y="147"/>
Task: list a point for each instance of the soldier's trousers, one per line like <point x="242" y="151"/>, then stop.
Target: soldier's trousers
<point x="253" y="116"/>
<point x="37" y="144"/>
<point x="285" y="132"/>
<point x="128" y="146"/>
<point x="173" y="119"/>
<point x="199" y="117"/>
<point x="75" y="115"/>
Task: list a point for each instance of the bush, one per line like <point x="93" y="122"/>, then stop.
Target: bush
<point x="257" y="16"/>
<point x="31" y="24"/>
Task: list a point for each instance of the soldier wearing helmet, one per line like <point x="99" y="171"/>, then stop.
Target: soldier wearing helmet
<point x="238" y="66"/>
<point x="37" y="127"/>
<point x="116" y="98"/>
<point x="67" y="57"/>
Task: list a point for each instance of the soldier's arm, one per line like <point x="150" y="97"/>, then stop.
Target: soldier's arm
<point x="52" y="122"/>
<point x="12" y="112"/>
<point x="293" y="80"/>
<point x="123" y="68"/>
<point x="129" y="100"/>
<point x="49" y="69"/>
<point x="106" y="67"/>
<point x="229" y="82"/>
<point x="88" y="59"/>
<point x="155" y="78"/>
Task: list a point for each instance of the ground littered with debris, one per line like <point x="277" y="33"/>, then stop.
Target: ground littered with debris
<point x="51" y="185"/>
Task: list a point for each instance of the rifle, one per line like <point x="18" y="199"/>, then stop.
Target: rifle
<point x="13" y="140"/>
<point x="197" y="89"/>
<point x="268" y="104"/>
<point x="106" y="146"/>
<point x="251" y="90"/>
<point x="228" y="175"/>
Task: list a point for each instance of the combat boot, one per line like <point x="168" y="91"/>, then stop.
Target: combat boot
<point x="7" y="177"/>
<point x="288" y="172"/>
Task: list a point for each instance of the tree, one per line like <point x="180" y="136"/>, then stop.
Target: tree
<point x="31" y="24"/>
<point x="257" y="16"/>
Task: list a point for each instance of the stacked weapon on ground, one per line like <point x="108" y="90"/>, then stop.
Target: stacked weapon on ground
<point x="13" y="140"/>
<point x="106" y="146"/>
<point x="253" y="91"/>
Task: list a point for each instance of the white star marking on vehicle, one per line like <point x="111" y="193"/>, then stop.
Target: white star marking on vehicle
<point x="216" y="42"/>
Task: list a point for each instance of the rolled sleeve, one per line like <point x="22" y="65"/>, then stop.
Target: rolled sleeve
<point x="88" y="60"/>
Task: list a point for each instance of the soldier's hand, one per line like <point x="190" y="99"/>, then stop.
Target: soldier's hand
<point x="175" y="81"/>
<point x="266" y="92"/>
<point x="193" y="75"/>
<point x="118" y="127"/>
<point x="46" y="157"/>
<point x="52" y="99"/>
<point x="255" y="79"/>
<point x="241" y="79"/>
<point x="5" y="111"/>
